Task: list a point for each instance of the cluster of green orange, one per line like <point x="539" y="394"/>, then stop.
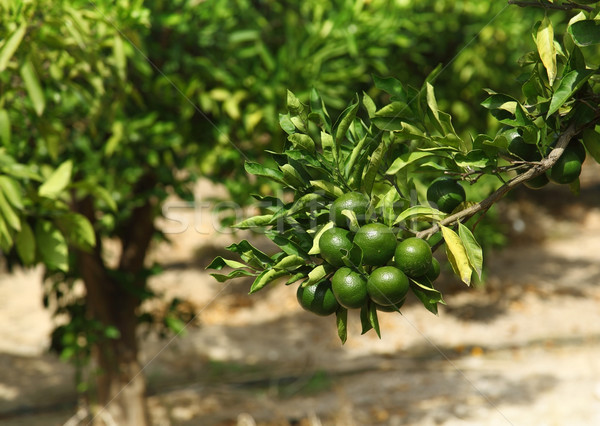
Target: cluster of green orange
<point x="380" y="272"/>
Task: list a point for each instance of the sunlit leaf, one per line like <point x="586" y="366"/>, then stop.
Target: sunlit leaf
<point x="457" y="255"/>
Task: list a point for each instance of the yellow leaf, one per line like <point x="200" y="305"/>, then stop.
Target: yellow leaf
<point x="457" y="255"/>
<point x="546" y="48"/>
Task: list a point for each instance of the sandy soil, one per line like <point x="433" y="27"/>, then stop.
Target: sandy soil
<point x="523" y="350"/>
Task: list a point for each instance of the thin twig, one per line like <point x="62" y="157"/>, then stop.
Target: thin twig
<point x="569" y="6"/>
<point x="485" y="204"/>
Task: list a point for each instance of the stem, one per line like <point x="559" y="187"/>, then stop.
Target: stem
<point x="570" y="6"/>
<point x="485" y="204"/>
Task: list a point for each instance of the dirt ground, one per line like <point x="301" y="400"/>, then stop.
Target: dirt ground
<point x="522" y="350"/>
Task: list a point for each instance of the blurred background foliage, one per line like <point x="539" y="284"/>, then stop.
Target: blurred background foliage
<point x="234" y="60"/>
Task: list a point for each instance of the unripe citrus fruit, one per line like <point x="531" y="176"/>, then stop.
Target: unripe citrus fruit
<point x="332" y="242"/>
<point x="349" y="288"/>
<point x="434" y="270"/>
<point x="566" y="169"/>
<point x="387" y="285"/>
<point x="318" y="298"/>
<point x="517" y="147"/>
<point x="445" y="194"/>
<point x="377" y="242"/>
<point x="413" y="256"/>
<point x="353" y="201"/>
<point x="537" y="182"/>
<point x="391" y="308"/>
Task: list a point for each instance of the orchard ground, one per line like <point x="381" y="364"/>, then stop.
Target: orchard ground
<point x="523" y="350"/>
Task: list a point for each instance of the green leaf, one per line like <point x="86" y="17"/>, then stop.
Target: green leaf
<point x="25" y="244"/>
<point x="6" y="239"/>
<point x="368" y="319"/>
<point x="567" y="87"/>
<point x="287" y="245"/>
<point x="318" y="112"/>
<point x="286" y="124"/>
<point x="57" y="181"/>
<point x="266" y="277"/>
<point x="12" y="191"/>
<point x="260" y="170"/>
<point x="341" y="319"/>
<point x="425" y="212"/>
<point x="291" y="176"/>
<point x="33" y="86"/>
<point x="11" y="45"/>
<point x="51" y="246"/>
<point x="250" y="254"/>
<point x="315" y="248"/>
<point x="8" y="214"/>
<point x="433" y="110"/>
<point x="220" y="262"/>
<point x="290" y="263"/>
<point x="302" y="142"/>
<point x="429" y="296"/>
<point x="472" y="248"/>
<point x="293" y="104"/>
<point x="457" y="255"/>
<point x="5" y="131"/>
<point x="372" y="168"/>
<point x="330" y="148"/>
<point x="237" y="273"/>
<point x="254" y="222"/>
<point x="546" y="48"/>
<point x="391" y="86"/>
<point x="117" y="136"/>
<point x="405" y="160"/>
<point x="369" y="104"/>
<point x="308" y="200"/>
<point x="328" y="188"/>
<point x="345" y="120"/>
<point x="585" y="33"/>
<point x="317" y="275"/>
<point x="591" y="140"/>
<point x="77" y="229"/>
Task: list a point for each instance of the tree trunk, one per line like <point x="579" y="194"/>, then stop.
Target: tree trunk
<point x="120" y="397"/>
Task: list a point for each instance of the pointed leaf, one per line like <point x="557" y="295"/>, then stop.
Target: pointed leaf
<point x="591" y="140"/>
<point x="546" y="48"/>
<point x="254" y="222"/>
<point x="457" y="255"/>
<point x="315" y="248"/>
<point x="424" y="212"/>
<point x="405" y="160"/>
<point x="567" y="87"/>
<point x="51" y="246"/>
<point x="25" y="244"/>
<point x="5" y="132"/>
<point x="341" y="318"/>
<point x="472" y="248"/>
<point x="57" y="181"/>
<point x="33" y="87"/>
<point x="302" y="142"/>
<point x="345" y="120"/>
<point x="429" y="296"/>
<point x="219" y="263"/>
<point x="372" y="168"/>
<point x="11" y="45"/>
<point x="12" y="191"/>
<point x="8" y="213"/>
<point x="266" y="277"/>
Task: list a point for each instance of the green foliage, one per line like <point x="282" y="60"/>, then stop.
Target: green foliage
<point x="392" y="153"/>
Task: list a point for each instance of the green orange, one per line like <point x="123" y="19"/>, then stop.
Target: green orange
<point x="566" y="169"/>
<point x="387" y="286"/>
<point x="334" y="244"/>
<point x="349" y="288"/>
<point x="537" y="182"/>
<point x="445" y="194"/>
<point x="377" y="242"/>
<point x="353" y="201"/>
<point x="413" y="256"/>
<point x="318" y="298"/>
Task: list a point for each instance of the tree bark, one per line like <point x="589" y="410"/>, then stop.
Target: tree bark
<point x="120" y="397"/>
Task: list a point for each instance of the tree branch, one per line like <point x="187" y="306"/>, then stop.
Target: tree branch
<point x="485" y="204"/>
<point x="569" y="6"/>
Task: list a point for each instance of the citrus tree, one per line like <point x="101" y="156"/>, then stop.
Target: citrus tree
<point x="371" y="193"/>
